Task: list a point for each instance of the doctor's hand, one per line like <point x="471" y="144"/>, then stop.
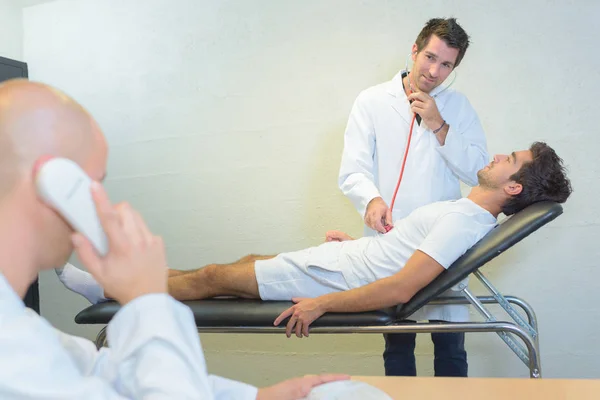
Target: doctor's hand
<point x="424" y="105"/>
<point x="302" y="314"/>
<point x="378" y="215"/>
<point x="337" y="236"/>
<point x="297" y="388"/>
<point x="135" y="264"/>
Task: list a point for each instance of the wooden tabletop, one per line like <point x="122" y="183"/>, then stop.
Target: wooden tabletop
<point x="484" y="388"/>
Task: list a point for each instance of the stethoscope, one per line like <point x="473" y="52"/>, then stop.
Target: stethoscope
<point x="412" y="123"/>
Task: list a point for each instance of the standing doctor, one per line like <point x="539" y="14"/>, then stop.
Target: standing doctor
<point x="447" y="146"/>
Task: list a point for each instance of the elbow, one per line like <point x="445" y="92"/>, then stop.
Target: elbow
<point x="403" y="296"/>
<point x="406" y="292"/>
<point x="470" y="175"/>
<point x="342" y="183"/>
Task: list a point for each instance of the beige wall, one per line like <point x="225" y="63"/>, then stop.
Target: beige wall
<point x="226" y="120"/>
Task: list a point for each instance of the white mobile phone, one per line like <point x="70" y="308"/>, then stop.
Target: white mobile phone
<point x="64" y="186"/>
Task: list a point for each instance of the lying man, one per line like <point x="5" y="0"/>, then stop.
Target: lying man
<point x="371" y="273"/>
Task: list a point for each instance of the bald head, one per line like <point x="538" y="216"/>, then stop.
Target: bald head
<point x="37" y="120"/>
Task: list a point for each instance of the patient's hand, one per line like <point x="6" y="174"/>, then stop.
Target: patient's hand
<point x="302" y="314"/>
<point x="297" y="388"/>
<point x="337" y="236"/>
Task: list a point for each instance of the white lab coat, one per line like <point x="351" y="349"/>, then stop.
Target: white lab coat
<point x="374" y="144"/>
<point x="154" y="353"/>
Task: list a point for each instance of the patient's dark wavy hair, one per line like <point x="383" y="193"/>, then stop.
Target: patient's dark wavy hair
<point x="542" y="179"/>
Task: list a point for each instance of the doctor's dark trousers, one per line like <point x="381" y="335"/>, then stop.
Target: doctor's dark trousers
<point x="450" y="357"/>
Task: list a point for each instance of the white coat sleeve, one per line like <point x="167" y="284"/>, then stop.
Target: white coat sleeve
<point x="89" y="361"/>
<point x="465" y="148"/>
<point x="224" y="389"/>
<point x="83" y="352"/>
<point x="155" y="354"/>
<point x="155" y="350"/>
<point x="356" y="176"/>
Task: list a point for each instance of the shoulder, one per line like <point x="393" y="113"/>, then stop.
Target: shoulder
<point x="456" y="98"/>
<point x="463" y="215"/>
<point x="375" y="92"/>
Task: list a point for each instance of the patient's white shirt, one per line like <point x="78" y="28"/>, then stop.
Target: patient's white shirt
<point x="443" y="230"/>
<point x="154" y="353"/>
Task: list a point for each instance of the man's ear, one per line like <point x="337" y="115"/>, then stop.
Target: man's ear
<point x="513" y="188"/>
<point x="414" y="52"/>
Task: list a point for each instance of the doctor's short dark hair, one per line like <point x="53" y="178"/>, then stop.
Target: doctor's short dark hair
<point x="449" y="31"/>
<point x="543" y="179"/>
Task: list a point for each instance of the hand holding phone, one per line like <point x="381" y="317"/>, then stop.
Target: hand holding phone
<point x="112" y="241"/>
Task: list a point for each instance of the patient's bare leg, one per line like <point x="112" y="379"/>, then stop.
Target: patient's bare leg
<point x="175" y="272"/>
<point x="183" y="285"/>
<point x="237" y="279"/>
<point x="245" y="259"/>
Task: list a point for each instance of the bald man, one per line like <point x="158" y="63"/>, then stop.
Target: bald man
<point x="155" y="350"/>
